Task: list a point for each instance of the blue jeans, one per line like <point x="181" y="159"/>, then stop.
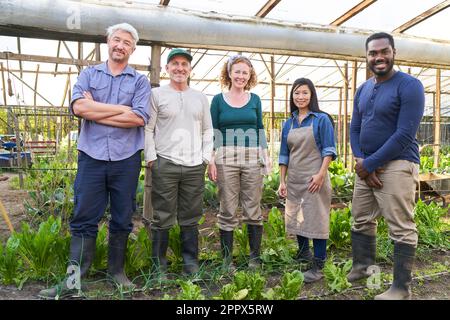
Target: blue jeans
<point x="320" y="246"/>
<point x="101" y="182"/>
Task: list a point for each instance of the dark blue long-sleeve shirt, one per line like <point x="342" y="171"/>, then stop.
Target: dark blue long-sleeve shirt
<point x="386" y="117"/>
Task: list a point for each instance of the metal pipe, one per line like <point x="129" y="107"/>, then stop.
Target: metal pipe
<point x="86" y="20"/>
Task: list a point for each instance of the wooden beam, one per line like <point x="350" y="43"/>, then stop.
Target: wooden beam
<point x="5" y="102"/>
<point x="352" y="12"/>
<point x="164" y="2"/>
<point x="29" y="87"/>
<point x="352" y="97"/>
<point x="58" y="51"/>
<point x="98" y="56"/>
<point x="36" y="84"/>
<point x="19" y="50"/>
<point x="345" y="125"/>
<point x="71" y="55"/>
<point x="47" y="59"/>
<point x="264" y="11"/>
<point x="423" y="16"/>
<point x="437" y="120"/>
<point x="287" y="105"/>
<point x="66" y="89"/>
<point x="272" y="103"/>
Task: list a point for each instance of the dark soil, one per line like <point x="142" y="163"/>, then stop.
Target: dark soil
<point x="424" y="287"/>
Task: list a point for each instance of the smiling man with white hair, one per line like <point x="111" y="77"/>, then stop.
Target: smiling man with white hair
<point x="113" y="101"/>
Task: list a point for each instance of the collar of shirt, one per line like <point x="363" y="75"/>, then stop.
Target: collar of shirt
<point x="104" y="68"/>
<point x="295" y="115"/>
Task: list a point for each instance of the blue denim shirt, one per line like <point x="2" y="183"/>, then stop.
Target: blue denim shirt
<point x="129" y="88"/>
<point x="323" y="134"/>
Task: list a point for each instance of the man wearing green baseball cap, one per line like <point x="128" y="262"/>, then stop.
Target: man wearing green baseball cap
<point x="179" y="52"/>
<point x="178" y="146"/>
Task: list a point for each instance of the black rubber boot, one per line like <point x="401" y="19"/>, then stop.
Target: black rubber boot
<point x="404" y="255"/>
<point x="82" y="252"/>
<point x="160" y="243"/>
<point x="315" y="273"/>
<point x="364" y="249"/>
<point x="226" y="244"/>
<point x="189" y="249"/>
<point x="117" y="248"/>
<point x="254" y="239"/>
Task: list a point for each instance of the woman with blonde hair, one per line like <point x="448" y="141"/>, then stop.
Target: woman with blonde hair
<point x="240" y="157"/>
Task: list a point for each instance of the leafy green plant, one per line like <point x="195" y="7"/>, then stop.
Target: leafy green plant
<point x="336" y="275"/>
<point x="230" y="292"/>
<point x="427" y="160"/>
<point x="276" y="246"/>
<point x="241" y="239"/>
<point x="210" y="195"/>
<point x="39" y="250"/>
<point x="342" y="181"/>
<point x="140" y="190"/>
<point x="271" y="183"/>
<point x="430" y="226"/>
<point x="9" y="262"/>
<point x="175" y="245"/>
<point x="291" y="284"/>
<point x="254" y="282"/>
<point x="139" y="251"/>
<point x="101" y="248"/>
<point x="189" y="291"/>
<point x="385" y="248"/>
<point x="340" y="228"/>
<point x="274" y="227"/>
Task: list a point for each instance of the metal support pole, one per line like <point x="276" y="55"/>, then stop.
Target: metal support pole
<point x="155" y="69"/>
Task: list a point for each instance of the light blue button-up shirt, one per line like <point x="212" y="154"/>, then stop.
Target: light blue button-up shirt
<point x="322" y="130"/>
<point x="129" y="88"/>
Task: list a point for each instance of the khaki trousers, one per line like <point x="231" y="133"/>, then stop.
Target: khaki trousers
<point x="395" y="202"/>
<point x="239" y="178"/>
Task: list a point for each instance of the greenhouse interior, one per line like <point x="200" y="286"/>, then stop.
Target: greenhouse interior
<point x="45" y="47"/>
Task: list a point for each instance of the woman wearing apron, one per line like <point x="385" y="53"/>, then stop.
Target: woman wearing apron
<point x="307" y="148"/>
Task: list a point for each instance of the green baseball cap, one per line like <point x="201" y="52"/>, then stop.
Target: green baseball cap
<point x="179" y="52"/>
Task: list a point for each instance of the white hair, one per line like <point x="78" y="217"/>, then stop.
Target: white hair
<point x="124" y="27"/>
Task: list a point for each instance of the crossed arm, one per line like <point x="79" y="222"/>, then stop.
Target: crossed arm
<point x="108" y="114"/>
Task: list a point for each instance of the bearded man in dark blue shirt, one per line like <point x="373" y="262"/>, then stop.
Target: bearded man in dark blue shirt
<point x="387" y="112"/>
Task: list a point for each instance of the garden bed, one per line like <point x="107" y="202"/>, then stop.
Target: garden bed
<point x="431" y="274"/>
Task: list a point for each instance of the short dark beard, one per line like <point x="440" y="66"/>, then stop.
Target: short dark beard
<point x="381" y="73"/>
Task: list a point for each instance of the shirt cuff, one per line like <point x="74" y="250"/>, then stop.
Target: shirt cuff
<point x="74" y="98"/>
<point x="329" y="151"/>
<point x="141" y="114"/>
<point x="369" y="166"/>
<point x="150" y="157"/>
<point x="283" y="160"/>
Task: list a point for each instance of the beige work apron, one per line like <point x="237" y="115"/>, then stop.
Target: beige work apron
<point x="305" y="161"/>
